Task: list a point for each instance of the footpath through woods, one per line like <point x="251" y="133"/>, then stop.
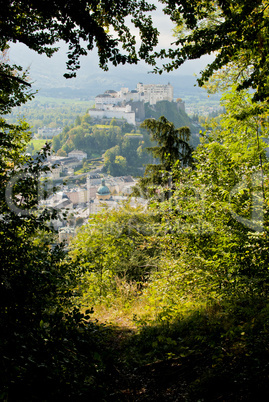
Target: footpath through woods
<point x="161" y="380"/>
<point x="205" y="357"/>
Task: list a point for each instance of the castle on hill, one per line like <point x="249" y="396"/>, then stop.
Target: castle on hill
<point x="130" y="104"/>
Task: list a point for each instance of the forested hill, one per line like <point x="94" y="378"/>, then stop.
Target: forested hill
<point x="118" y="139"/>
<point x="176" y="115"/>
<point x="172" y="112"/>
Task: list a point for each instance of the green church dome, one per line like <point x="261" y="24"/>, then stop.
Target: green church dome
<point x="103" y="189"/>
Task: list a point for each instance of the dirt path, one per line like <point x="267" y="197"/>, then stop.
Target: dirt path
<point x="157" y="381"/>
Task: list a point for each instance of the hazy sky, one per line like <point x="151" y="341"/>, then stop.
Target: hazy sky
<point x="44" y="70"/>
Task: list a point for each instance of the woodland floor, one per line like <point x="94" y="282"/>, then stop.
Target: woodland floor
<point x="157" y="381"/>
<point x="128" y="378"/>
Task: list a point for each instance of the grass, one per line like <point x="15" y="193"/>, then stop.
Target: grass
<point x="206" y="351"/>
<point x="38" y="143"/>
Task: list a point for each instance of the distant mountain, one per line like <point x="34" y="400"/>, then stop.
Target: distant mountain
<point x="92" y="85"/>
<point x="47" y="75"/>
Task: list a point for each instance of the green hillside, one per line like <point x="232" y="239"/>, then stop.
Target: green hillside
<point x="174" y="114"/>
<point x="122" y="145"/>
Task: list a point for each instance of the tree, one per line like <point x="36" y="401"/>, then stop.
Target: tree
<point x="14" y="88"/>
<point x="78" y="121"/>
<point x="116" y="244"/>
<point x="219" y="209"/>
<point x="237" y="32"/>
<point x="56" y="144"/>
<point x="40" y="25"/>
<point x="172" y="142"/>
<point x="41" y="342"/>
<point x="39" y="323"/>
<point x="172" y="147"/>
<point x="61" y="152"/>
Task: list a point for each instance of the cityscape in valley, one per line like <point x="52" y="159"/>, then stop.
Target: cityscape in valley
<point x="95" y="191"/>
<point x="100" y="193"/>
<point x="125" y="104"/>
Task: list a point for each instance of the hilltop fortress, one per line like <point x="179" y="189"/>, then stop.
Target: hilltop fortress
<point x="130" y="104"/>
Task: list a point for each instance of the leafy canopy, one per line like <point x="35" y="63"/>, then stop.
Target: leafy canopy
<point x="235" y="32"/>
<point x="172" y="142"/>
<point x="40" y="24"/>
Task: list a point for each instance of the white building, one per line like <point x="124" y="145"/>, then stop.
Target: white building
<point x="80" y="155"/>
<point x="48" y="132"/>
<point x="113" y="104"/>
<point x="110" y="111"/>
<point x="152" y="93"/>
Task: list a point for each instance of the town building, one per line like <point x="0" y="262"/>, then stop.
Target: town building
<point x="61" y="166"/>
<point x="66" y="234"/>
<point x="103" y="192"/>
<point x="97" y="195"/>
<point x="80" y="155"/>
<point x="48" y="132"/>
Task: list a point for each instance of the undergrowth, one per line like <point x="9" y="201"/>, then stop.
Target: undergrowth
<point x="214" y="343"/>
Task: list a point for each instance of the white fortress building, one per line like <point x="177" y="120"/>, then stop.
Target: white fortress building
<point x="115" y="104"/>
<point x="110" y="111"/>
<point x="154" y="93"/>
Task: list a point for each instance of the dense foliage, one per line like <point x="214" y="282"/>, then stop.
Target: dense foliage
<point x="236" y="32"/>
<point x="43" y="345"/>
<point x="121" y="144"/>
<point x="40" y="25"/>
<point x="190" y="270"/>
<point x="171" y="112"/>
<point x="42" y="342"/>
